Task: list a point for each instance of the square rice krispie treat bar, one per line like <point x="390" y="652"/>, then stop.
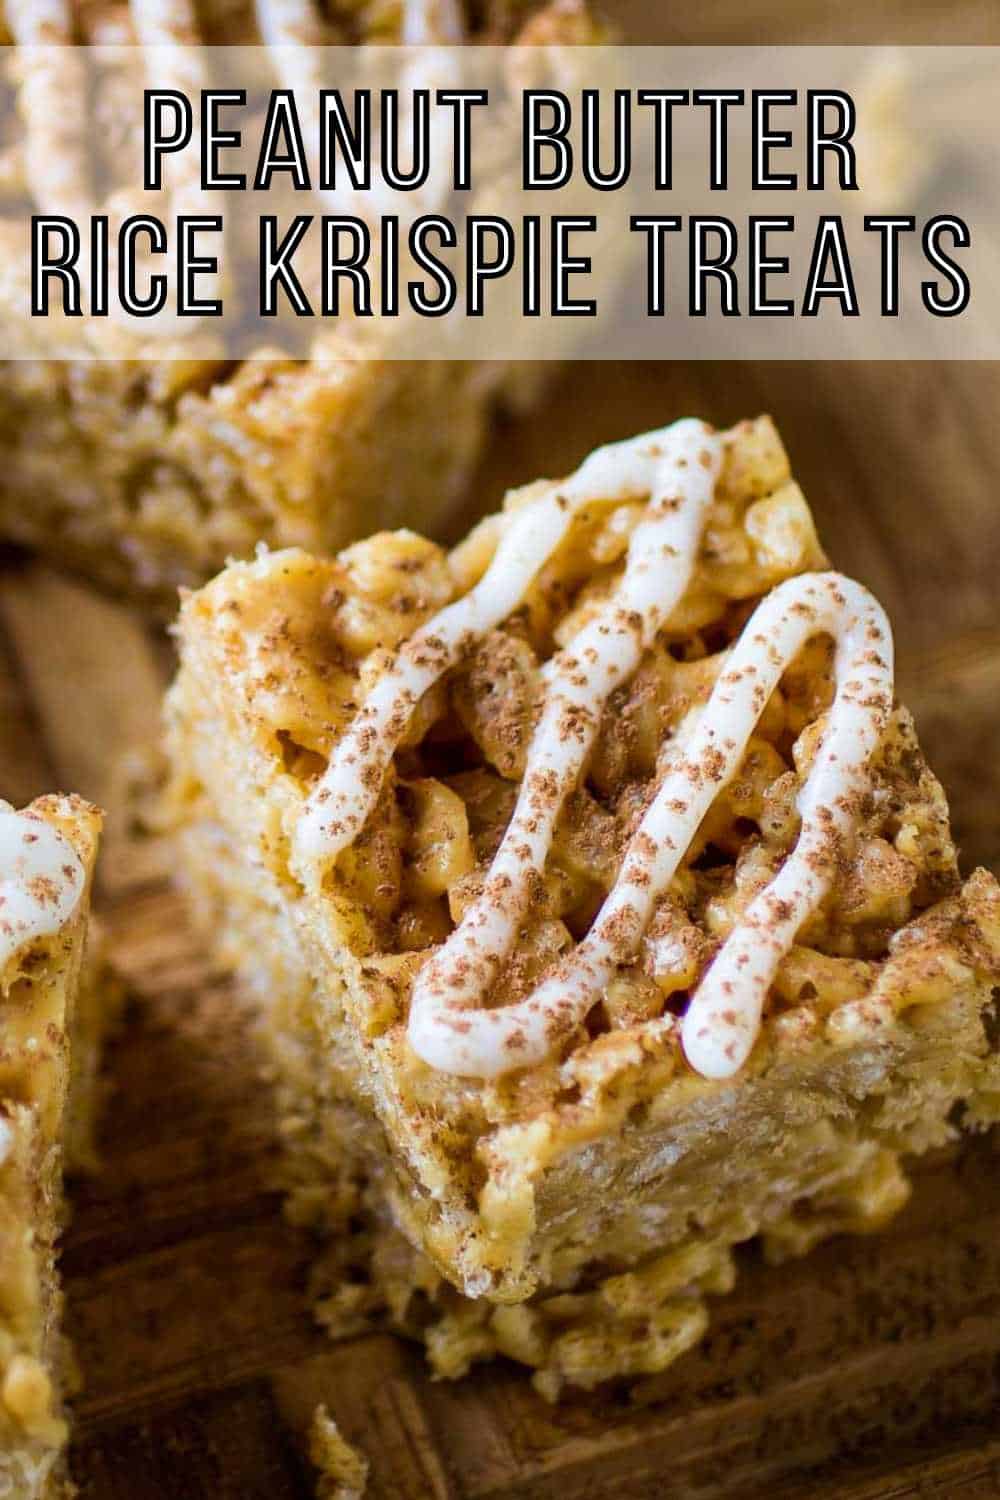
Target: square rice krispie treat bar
<point x="147" y="468"/>
<point x="51" y="1019"/>
<point x="598" y="905"/>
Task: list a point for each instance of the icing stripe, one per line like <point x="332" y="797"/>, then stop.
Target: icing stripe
<point x="675" y="469"/>
<point x="342" y="801"/>
<point x="53" y="101"/>
<point x="723" y="1019"/>
<point x="167" y="32"/>
<point x="41" y="880"/>
<point x="580" y="679"/>
<point x="292" y="24"/>
<point x="296" y="32"/>
<point x="428" y="23"/>
<point x="724" y="1015"/>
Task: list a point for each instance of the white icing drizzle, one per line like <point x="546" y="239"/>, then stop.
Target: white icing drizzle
<point x="295" y="33"/>
<point x="41" y="880"/>
<point x="682" y="469"/>
<point x="292" y="24"/>
<point x="298" y="23"/>
<point x="676" y="470"/>
<point x="723" y="1018"/>
<point x="724" y="1015"/>
<point x="165" y="23"/>
<point x="429" y="23"/>
<point x="167" y="31"/>
<point x="53" y="102"/>
<point x="342" y="801"/>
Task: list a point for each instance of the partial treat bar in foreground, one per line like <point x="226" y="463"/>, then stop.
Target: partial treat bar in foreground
<point x="597" y="903"/>
<point x="51" y="1019"/>
<point x="146" y="468"/>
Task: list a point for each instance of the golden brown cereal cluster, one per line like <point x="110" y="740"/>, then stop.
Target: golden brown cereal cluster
<point x="330" y="628"/>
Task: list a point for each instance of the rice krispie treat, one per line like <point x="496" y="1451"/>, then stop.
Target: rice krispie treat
<point x="50" y="1024"/>
<point x="597" y="903"/>
<point x="146" y="467"/>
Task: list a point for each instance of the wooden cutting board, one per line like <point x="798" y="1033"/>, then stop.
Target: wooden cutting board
<point x="869" y="1370"/>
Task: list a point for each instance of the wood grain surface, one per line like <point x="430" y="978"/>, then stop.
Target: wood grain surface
<point x="869" y="1370"/>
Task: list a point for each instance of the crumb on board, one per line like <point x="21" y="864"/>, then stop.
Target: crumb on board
<point x="343" y="1469"/>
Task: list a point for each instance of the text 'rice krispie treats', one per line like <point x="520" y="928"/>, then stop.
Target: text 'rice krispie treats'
<point x="146" y="467"/>
<point x="600" y="909"/>
<point x="50" y="1024"/>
